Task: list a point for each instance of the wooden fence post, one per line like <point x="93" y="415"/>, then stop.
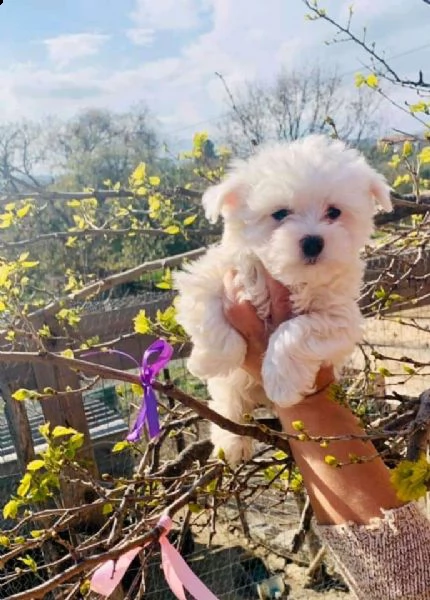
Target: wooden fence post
<point x="18" y="423"/>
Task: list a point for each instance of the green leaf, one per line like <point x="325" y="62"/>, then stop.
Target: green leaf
<point x="359" y="79"/>
<point x="35" y="465"/>
<point x="372" y="81"/>
<point x="280" y="455"/>
<point x="138" y="176"/>
<point x="59" y="430"/>
<point x="107" y="509"/>
<point x="22" y="394"/>
<point x="411" y="479"/>
<point x="22" y="212"/>
<point x="37" y="533"/>
<point x="408" y="149"/>
<point x="172" y="230"/>
<point x="74" y="203"/>
<point x="85" y="587"/>
<point x="10" y="509"/>
<point x="424" y="155"/>
<point x="44" y="430"/>
<point x="24" y="485"/>
<point x="189" y="220"/>
<point x="76" y="441"/>
<point x="385" y="372"/>
<point x="71" y="241"/>
<point x="68" y="353"/>
<point x="141" y="322"/>
<point x="120" y="446"/>
<point x="29" y="562"/>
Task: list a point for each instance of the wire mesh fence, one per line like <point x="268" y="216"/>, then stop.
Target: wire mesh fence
<point x="240" y="542"/>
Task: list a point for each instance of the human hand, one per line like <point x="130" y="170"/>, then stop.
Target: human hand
<point x="243" y="317"/>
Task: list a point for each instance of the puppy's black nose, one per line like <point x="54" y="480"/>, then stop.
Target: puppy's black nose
<point x="312" y="245"/>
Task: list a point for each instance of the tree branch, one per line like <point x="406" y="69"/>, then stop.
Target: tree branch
<point x="109" y="282"/>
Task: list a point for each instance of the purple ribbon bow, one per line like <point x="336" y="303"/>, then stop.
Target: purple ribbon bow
<point x="148" y="411"/>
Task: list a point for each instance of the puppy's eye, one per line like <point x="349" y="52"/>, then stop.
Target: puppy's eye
<point x="279" y="215"/>
<point x="333" y="213"/>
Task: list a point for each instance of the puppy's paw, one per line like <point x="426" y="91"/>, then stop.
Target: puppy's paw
<point x="279" y="386"/>
<point x="235" y="448"/>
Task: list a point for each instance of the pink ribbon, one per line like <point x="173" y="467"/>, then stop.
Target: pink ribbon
<point x="176" y="571"/>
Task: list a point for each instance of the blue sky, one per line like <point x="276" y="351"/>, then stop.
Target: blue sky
<point x="59" y="56"/>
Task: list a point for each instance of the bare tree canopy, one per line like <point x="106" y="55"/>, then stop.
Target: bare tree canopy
<point x="295" y="104"/>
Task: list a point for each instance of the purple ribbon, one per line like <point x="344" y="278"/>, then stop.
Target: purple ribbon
<point x="148" y="411"/>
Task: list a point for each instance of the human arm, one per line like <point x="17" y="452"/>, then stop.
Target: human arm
<point x="381" y="546"/>
<point x="354" y="493"/>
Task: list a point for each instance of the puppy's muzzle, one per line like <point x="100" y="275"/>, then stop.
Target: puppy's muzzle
<point x="312" y="246"/>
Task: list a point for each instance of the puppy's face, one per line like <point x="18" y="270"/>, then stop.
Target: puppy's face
<point x="304" y="209"/>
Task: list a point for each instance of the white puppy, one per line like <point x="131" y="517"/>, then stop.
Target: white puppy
<point x="303" y="211"/>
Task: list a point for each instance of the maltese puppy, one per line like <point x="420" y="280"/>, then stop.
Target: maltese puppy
<point x="302" y="211"/>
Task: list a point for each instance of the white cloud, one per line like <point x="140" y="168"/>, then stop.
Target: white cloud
<point x="141" y="36"/>
<point x="167" y="14"/>
<point x="243" y="39"/>
<point x="67" y="48"/>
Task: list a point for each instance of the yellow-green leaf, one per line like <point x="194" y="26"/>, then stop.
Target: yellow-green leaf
<point x="107" y="509"/>
<point x="189" y="220"/>
<point x="424" y="155"/>
<point x="37" y="533"/>
<point x="359" y="79"/>
<point x="71" y="241"/>
<point x="29" y="562"/>
<point x="24" y="485"/>
<point x="120" y="446"/>
<point x="411" y="479"/>
<point x="29" y="264"/>
<point x="44" y="331"/>
<point x="44" y="429"/>
<point x="10" y="509"/>
<point x="85" y="587"/>
<point x="141" y="323"/>
<point x="172" y="230"/>
<point x="22" y="394"/>
<point x="35" y="465"/>
<point x="4" y="540"/>
<point x="74" y="203"/>
<point x="23" y="211"/>
<point x="407" y="149"/>
<point x="372" y="81"/>
<point x="138" y="176"/>
<point x="154" y="181"/>
<point x="59" y="430"/>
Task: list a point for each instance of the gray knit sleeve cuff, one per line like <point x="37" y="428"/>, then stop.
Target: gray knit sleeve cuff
<point x="388" y="559"/>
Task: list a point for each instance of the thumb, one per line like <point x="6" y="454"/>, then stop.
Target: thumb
<point x="281" y="306"/>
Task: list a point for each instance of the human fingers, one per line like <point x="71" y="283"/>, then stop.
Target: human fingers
<point x="281" y="307"/>
<point x="241" y="314"/>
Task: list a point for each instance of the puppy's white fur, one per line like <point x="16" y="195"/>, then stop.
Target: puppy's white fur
<point x="307" y="177"/>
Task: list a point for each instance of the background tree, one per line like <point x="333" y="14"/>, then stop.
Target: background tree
<point x="295" y="104"/>
<point x="99" y="145"/>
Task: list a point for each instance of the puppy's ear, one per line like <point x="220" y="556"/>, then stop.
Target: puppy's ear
<point x="222" y="199"/>
<point x="380" y="191"/>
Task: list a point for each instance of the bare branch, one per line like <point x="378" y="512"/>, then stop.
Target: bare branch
<point x="109" y="282"/>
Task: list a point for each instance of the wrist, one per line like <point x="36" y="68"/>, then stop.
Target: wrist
<point x="320" y="415"/>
